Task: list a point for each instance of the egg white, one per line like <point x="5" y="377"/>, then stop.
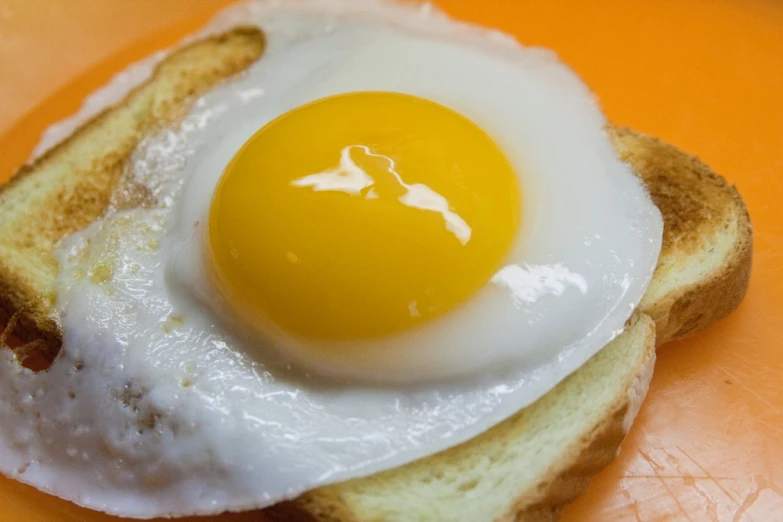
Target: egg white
<point x="156" y="406"/>
<point x="586" y="218"/>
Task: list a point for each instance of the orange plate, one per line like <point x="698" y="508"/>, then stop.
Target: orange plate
<point x="705" y="75"/>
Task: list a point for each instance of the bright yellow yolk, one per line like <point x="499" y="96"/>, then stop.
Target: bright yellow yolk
<point x="361" y="215"/>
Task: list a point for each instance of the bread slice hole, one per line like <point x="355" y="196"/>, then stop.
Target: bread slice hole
<point x="34" y="355"/>
<point x="33" y="359"/>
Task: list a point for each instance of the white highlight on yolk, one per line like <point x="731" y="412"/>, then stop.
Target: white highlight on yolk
<point x="350" y="178"/>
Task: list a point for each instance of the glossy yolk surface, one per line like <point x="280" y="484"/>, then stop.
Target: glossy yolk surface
<point x="360" y="215"/>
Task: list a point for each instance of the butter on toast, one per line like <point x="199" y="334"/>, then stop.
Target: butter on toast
<point x="527" y="467"/>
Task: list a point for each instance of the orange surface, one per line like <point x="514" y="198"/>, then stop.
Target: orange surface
<point x="705" y="75"/>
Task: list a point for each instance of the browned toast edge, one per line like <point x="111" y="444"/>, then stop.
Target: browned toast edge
<point x="26" y="305"/>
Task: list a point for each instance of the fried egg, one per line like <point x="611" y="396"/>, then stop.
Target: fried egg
<point x="388" y="235"/>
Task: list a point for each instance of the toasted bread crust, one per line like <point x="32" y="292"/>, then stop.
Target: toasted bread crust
<point x="697" y="205"/>
<point x="570" y="477"/>
<point x="68" y="201"/>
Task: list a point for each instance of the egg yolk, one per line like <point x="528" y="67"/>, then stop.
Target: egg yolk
<point x="361" y="215"/>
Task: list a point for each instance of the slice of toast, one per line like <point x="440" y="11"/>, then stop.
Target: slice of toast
<point x="526" y="468"/>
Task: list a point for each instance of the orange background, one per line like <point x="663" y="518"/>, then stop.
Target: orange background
<point x="705" y="75"/>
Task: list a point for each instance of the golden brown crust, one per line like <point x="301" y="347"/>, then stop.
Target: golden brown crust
<point x="693" y="308"/>
<point x="697" y="205"/>
<point x="571" y="476"/>
<point x="75" y="199"/>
